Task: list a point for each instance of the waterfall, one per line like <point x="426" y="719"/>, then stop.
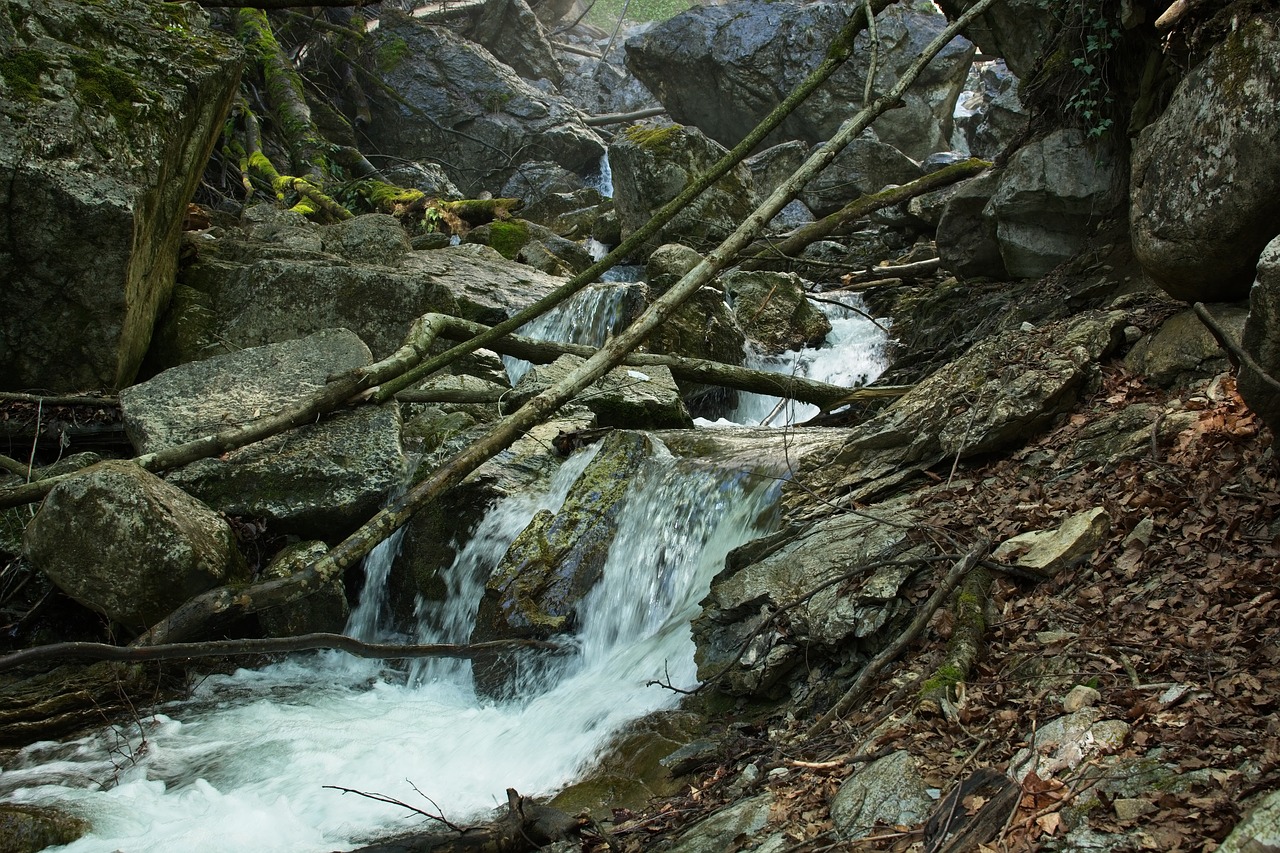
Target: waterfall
<point x="242" y="763"/>
<point x="603" y="180"/>
<point x="588" y="317"/>
<point x="853" y="355"/>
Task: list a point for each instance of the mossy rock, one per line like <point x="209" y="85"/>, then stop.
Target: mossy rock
<point x="27" y="829"/>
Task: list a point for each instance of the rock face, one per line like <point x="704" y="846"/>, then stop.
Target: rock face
<point x="1050" y="195"/>
<point x="451" y="85"/>
<point x="866" y="165"/>
<point x="751" y="587"/>
<point x="1261" y="338"/>
<point x="1205" y="198"/>
<point x="510" y="30"/>
<point x="651" y="165"/>
<point x="967" y="241"/>
<point x="125" y="543"/>
<point x="283" y="277"/>
<point x="318" y="480"/>
<point x="625" y="397"/>
<point x="772" y="309"/>
<point x="1015" y="30"/>
<point x="755" y="53"/>
<point x="134" y="94"/>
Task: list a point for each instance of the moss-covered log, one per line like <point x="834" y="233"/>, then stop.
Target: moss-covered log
<point x="969" y="612"/>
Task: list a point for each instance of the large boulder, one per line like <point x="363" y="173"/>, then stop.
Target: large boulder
<point x="756" y="53"/>
<point x="511" y="32"/>
<point x="1051" y="194"/>
<point x="1018" y="31"/>
<point x="534" y="592"/>
<point x="652" y="165"/>
<point x="625" y="397"/>
<point x="125" y="543"/>
<point x="991" y="115"/>
<point x="281" y="277"/>
<point x="967" y="242"/>
<point x="322" y="479"/>
<point x="773" y="310"/>
<point x="461" y="106"/>
<point x="108" y="112"/>
<point x="1261" y="338"/>
<point x="1205" y="195"/>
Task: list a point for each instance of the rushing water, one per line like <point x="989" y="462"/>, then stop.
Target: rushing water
<point x="243" y="764"/>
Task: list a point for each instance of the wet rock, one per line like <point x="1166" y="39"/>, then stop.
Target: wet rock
<point x="1261" y="338"/>
<point x="625" y="397"/>
<point x="761" y="577"/>
<point x="1050" y="195"/>
<point x="1183" y="350"/>
<point x="100" y="159"/>
<point x="722" y="830"/>
<point x="1048" y="552"/>
<point x="889" y="790"/>
<point x="320" y="479"/>
<point x="757" y="52"/>
<point x="703" y="327"/>
<point x="125" y="543"/>
<point x="29" y="829"/>
<point x="771" y="307"/>
<point x="71" y="698"/>
<point x="652" y="165"/>
<point x="866" y="165"/>
<point x="534" y="591"/>
<point x="458" y="84"/>
<point x="1205" y="195"/>
<point x="324" y="611"/>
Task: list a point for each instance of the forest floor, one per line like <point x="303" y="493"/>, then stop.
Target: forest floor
<point x="1173" y="620"/>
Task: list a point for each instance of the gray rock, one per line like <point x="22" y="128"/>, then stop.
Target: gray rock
<point x="625" y="397"/>
<point x="991" y="116"/>
<point x="1018" y="31"/>
<point x="1261" y="338"/>
<point x="30" y="829"/>
<point x="702" y="327"/>
<point x="796" y="563"/>
<point x="889" y="790"/>
<point x="451" y="83"/>
<point x="427" y="177"/>
<point x="722" y="830"/>
<point x="866" y="165"/>
<point x="321" y="479"/>
<point x="1260" y="828"/>
<point x="1051" y="194"/>
<point x="125" y="543"/>
<point x="99" y="160"/>
<point x="1182" y="350"/>
<point x="651" y="165"/>
<point x="374" y="238"/>
<point x="324" y="611"/>
<point x="967" y="242"/>
<point x="1064" y="742"/>
<point x="771" y="167"/>
<point x="512" y="33"/>
<point x="1048" y="552"/>
<point x="1205" y="195"/>
<point x="757" y="52"/>
<point x="771" y="307"/>
<point x="668" y="263"/>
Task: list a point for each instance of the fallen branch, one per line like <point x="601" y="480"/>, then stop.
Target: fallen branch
<point x="887" y="655"/>
<point x="1229" y="344"/>
<point x="262" y="646"/>
<point x="16" y="397"/>
<point x="618" y="118"/>
<point x="902" y="271"/>
<point x="580" y="51"/>
<point x="969" y="608"/>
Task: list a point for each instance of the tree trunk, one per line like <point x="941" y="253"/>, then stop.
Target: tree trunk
<point x="191" y="618"/>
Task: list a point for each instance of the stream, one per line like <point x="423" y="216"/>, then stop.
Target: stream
<point x="244" y="763"/>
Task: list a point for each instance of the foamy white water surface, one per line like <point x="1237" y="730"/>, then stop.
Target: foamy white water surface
<point x="243" y="764"/>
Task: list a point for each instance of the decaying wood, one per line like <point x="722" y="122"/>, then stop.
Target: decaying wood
<point x="909" y="272"/>
<point x="16" y="397"/>
<point x="969" y="625"/>
<point x="954" y="828"/>
<point x="873" y="668"/>
<point x="701" y="370"/>
<point x="526" y="826"/>
<point x="262" y="646"/>
<point x="846" y="218"/>
<point x="618" y="118"/>
<point x="580" y="51"/>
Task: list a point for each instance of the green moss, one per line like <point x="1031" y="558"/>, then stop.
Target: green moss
<point x="495" y="101"/>
<point x="657" y="139"/>
<point x="100" y="82"/>
<point x="508" y="237"/>
<point x="945" y="678"/>
<point x="390" y="53"/>
<point x="1238" y="57"/>
<point x="21" y="70"/>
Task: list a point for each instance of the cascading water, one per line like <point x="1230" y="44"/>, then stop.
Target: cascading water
<point x="853" y="355"/>
<point x="588" y="318"/>
<point x="242" y="764"/>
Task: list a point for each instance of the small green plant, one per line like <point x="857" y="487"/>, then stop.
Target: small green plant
<point x="1075" y="77"/>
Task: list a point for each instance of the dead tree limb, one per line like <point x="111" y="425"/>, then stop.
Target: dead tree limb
<point x="969" y="609"/>
<point x="1229" y="344"/>
<point x="194" y="616"/>
<point x="701" y="370"/>
<point x="873" y="668"/>
<point x="618" y="118"/>
<point x="337" y="392"/>
<point x="844" y="219"/>
<point x="837" y="54"/>
<point x="264" y="646"/>
<point x="909" y="271"/>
